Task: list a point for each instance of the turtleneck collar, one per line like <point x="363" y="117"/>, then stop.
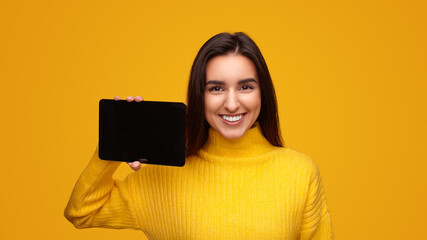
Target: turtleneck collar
<point x="251" y="144"/>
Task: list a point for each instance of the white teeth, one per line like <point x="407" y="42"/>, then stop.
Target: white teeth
<point x="232" y="119"/>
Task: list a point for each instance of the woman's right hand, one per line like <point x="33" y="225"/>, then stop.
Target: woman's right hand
<point x="134" y="165"/>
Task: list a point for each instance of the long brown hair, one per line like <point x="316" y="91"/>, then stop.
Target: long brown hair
<point x="222" y="44"/>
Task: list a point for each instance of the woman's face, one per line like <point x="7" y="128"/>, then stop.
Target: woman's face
<point x="232" y="95"/>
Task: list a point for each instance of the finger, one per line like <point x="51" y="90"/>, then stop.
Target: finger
<point x="130" y="164"/>
<point x="129" y="99"/>
<point x="134" y="165"/>
<point x="117" y="98"/>
<point x="138" y="99"/>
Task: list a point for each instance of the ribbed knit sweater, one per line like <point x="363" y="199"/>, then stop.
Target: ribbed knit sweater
<point x="232" y="189"/>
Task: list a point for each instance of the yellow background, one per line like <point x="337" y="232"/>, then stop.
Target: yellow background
<point x="350" y="78"/>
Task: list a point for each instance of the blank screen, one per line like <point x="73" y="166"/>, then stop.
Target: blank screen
<point x="130" y="131"/>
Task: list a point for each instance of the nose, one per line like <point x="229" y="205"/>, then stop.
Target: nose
<point x="231" y="101"/>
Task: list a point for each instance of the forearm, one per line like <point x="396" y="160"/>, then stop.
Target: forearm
<point x="98" y="200"/>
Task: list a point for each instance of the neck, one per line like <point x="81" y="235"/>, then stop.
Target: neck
<point x="251" y="144"/>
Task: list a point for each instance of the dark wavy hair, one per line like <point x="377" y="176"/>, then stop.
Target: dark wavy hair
<point x="223" y="44"/>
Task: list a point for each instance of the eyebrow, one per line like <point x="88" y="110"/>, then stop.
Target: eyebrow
<point x="217" y="82"/>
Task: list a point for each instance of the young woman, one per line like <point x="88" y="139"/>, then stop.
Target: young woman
<point x="238" y="182"/>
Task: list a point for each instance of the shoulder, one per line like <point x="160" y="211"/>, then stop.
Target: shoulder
<point x="296" y="159"/>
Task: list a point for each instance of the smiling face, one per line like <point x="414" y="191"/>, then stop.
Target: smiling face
<point x="232" y="95"/>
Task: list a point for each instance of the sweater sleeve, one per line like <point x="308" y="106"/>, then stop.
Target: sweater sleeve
<point x="316" y="222"/>
<point x="98" y="200"/>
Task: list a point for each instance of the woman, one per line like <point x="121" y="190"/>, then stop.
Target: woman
<point x="238" y="181"/>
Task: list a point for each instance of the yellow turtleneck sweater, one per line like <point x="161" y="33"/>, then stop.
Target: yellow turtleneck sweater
<point x="233" y="189"/>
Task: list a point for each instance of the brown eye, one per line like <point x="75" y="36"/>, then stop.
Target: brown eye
<point x="246" y="87"/>
<point x="215" y="89"/>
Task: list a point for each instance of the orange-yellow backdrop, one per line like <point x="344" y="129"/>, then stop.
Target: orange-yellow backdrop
<point x="350" y="78"/>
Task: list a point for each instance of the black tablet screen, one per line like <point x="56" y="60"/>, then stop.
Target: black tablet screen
<point x="132" y="131"/>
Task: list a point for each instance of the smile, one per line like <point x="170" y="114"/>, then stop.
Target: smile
<point x="234" y="118"/>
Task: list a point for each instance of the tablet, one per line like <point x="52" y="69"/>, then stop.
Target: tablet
<point x="147" y="131"/>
